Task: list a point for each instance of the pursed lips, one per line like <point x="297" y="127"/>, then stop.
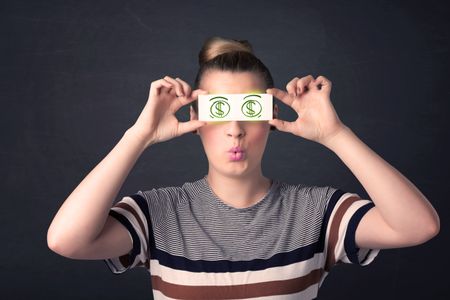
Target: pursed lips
<point x="236" y="149"/>
<point x="236" y="153"/>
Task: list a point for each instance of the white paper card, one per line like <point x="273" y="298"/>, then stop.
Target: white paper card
<point x="235" y="107"/>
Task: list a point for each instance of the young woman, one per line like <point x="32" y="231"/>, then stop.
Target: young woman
<point x="236" y="234"/>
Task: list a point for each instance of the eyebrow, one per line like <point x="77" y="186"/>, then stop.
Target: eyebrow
<point x="219" y="97"/>
<point x="252" y="95"/>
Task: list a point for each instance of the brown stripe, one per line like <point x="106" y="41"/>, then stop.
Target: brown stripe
<point x="242" y="291"/>
<point x="334" y="231"/>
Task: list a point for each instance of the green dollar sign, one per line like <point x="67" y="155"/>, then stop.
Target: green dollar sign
<point x="250" y="110"/>
<point x="219" y="110"/>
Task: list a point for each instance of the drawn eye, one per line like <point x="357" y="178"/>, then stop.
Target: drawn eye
<point x="252" y="106"/>
<point x="219" y="107"/>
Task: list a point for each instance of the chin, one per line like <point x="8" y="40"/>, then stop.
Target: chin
<point x="234" y="169"/>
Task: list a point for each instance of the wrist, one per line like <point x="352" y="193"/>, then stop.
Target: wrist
<point x="138" y="138"/>
<point x="334" y="138"/>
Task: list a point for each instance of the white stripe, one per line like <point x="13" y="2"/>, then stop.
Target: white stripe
<point x="130" y="201"/>
<point x="235" y="278"/>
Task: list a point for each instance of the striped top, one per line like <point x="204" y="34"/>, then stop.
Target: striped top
<point x="195" y="246"/>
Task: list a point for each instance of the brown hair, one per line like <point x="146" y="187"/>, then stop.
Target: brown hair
<point x="232" y="55"/>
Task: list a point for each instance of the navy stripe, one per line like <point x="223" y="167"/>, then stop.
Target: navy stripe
<point x="136" y="242"/>
<point x="331" y="204"/>
<point x="151" y="244"/>
<point x="142" y="203"/>
<point x="349" y="242"/>
<point x="221" y="266"/>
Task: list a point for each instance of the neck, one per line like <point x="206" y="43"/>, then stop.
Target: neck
<point x="239" y="192"/>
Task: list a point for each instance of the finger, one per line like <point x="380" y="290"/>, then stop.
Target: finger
<point x="181" y="101"/>
<point x="176" y="84"/>
<point x="282" y="125"/>
<point x="323" y="84"/>
<point x="172" y="91"/>
<point x="189" y="126"/>
<point x="197" y="92"/>
<point x="157" y="85"/>
<point x="194" y="95"/>
<point x="186" y="88"/>
<point x="282" y="95"/>
<point x="290" y="87"/>
<point x="303" y="83"/>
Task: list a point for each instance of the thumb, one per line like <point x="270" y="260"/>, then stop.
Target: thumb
<point x="282" y="125"/>
<point x="189" y="126"/>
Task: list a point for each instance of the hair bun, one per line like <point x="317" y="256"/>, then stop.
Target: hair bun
<point x="216" y="46"/>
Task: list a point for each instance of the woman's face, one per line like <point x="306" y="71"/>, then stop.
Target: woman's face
<point x="219" y="138"/>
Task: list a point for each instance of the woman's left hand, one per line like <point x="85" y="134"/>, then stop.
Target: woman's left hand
<point x="310" y="98"/>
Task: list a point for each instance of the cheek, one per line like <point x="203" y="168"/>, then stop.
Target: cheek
<point x="261" y="133"/>
<point x="259" y="136"/>
<point x="211" y="138"/>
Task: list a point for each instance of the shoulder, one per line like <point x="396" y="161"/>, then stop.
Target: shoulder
<point x="174" y="202"/>
<point x="309" y="200"/>
<point x="172" y="195"/>
<point x="309" y="193"/>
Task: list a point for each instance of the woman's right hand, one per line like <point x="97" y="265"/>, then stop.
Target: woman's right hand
<point x="157" y="121"/>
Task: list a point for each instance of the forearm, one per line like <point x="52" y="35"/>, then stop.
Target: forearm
<point x="83" y="214"/>
<point x="404" y="208"/>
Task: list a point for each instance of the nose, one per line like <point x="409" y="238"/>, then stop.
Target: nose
<point x="235" y="129"/>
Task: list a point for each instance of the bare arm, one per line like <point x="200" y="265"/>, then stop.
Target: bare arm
<point x="82" y="228"/>
<point x="402" y="215"/>
<point x="82" y="216"/>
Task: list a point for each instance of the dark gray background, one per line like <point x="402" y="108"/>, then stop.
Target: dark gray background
<point x="76" y="74"/>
